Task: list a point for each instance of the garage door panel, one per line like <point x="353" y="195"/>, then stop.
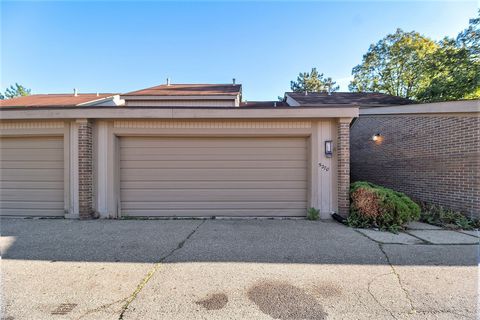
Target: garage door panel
<point x="249" y="184"/>
<point x="31" y="143"/>
<point x="32" y="176"/>
<point x="213" y="194"/>
<point x="215" y="212"/>
<point x="31" y="164"/>
<point x="129" y="156"/>
<point x="7" y="204"/>
<point x="154" y="142"/>
<point x="32" y="185"/>
<point x="139" y="205"/>
<point x="30" y="154"/>
<point x="233" y="164"/>
<point x="33" y="212"/>
<point x="210" y="151"/>
<point x="31" y="194"/>
<point x="213" y="176"/>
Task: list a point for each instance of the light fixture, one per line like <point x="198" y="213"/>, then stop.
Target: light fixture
<point x="328" y="148"/>
<point x="377" y="137"/>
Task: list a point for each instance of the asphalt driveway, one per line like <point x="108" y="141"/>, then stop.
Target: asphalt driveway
<point x="227" y="269"/>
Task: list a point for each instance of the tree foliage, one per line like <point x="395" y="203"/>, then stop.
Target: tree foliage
<point x="409" y="65"/>
<point x="394" y="65"/>
<point x="14" y="91"/>
<point x="313" y="82"/>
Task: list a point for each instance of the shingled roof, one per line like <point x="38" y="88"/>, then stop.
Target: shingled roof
<point x="56" y="100"/>
<point x="362" y="99"/>
<point x="189" y="90"/>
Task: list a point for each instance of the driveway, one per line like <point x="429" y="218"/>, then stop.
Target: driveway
<point x="228" y="269"/>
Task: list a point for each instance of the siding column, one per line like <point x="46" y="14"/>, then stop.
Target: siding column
<point x="343" y="153"/>
<point x="85" y="173"/>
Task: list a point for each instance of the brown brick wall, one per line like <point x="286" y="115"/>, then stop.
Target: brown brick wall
<point x="85" y="173"/>
<point x="343" y="149"/>
<point x="435" y="159"/>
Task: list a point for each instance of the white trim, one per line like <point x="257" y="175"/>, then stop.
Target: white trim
<point x="291" y="102"/>
<point x="465" y="106"/>
<point x="181" y="113"/>
<point x="106" y="101"/>
<point x="74" y="204"/>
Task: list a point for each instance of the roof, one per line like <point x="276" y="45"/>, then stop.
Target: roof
<point x="52" y="100"/>
<point x="263" y="104"/>
<point x="362" y="99"/>
<point x="189" y="90"/>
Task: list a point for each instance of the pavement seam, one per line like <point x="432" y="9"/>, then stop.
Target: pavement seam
<point x="423" y="240"/>
<point x="153" y="270"/>
<point x="407" y="295"/>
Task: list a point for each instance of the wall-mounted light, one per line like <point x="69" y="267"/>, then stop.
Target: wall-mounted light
<point x="377" y="137"/>
<point x="328" y="148"/>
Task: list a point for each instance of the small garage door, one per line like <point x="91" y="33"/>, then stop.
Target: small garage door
<point x="213" y="176"/>
<point x="31" y="173"/>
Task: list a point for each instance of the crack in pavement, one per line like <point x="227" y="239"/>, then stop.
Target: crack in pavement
<point x="405" y="291"/>
<point x="375" y="298"/>
<point x="407" y="295"/>
<point x="154" y="269"/>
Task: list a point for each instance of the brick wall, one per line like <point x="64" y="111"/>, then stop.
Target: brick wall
<point x="435" y="158"/>
<point x="85" y="167"/>
<point x="343" y="149"/>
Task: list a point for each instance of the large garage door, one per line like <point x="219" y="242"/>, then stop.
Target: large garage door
<point x="213" y="176"/>
<point x="31" y="176"/>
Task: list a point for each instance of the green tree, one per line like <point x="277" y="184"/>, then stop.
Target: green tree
<point x="313" y="82"/>
<point x="14" y="91"/>
<point x="412" y="66"/>
<point x="394" y="65"/>
<point x="454" y="73"/>
<point x="470" y="37"/>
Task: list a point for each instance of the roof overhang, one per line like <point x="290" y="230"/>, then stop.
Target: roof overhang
<point x="464" y="106"/>
<point x="179" y="113"/>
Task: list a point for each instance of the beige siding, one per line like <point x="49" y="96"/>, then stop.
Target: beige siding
<point x="32" y="176"/>
<point x="213" y="176"/>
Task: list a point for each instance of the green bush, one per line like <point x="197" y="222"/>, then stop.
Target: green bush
<point x="446" y="218"/>
<point x="313" y="214"/>
<point x="380" y="207"/>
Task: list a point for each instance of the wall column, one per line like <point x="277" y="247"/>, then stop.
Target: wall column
<point x="343" y="153"/>
<point x="85" y="169"/>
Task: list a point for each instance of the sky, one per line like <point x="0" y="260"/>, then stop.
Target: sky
<point x="121" y="46"/>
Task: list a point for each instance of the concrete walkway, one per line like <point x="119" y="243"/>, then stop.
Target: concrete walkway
<point x="422" y="233"/>
<point x="230" y="269"/>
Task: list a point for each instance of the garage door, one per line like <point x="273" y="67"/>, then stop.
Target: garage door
<point x="213" y="176"/>
<point x="31" y="176"/>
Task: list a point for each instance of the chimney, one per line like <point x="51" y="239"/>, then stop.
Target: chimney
<point x="233" y="81"/>
<point x="75" y="93"/>
<point x="168" y="81"/>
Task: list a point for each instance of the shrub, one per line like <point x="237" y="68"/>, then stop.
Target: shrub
<point x="439" y="216"/>
<point x="380" y="207"/>
<point x="313" y="214"/>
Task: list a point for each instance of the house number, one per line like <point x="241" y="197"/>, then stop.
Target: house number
<point x="323" y="167"/>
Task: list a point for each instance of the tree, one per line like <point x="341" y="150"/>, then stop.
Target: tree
<point x="16" y="90"/>
<point x="470" y="37"/>
<point x="454" y="73"/>
<point x="412" y="66"/>
<point x="313" y="82"/>
<point x="394" y="65"/>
